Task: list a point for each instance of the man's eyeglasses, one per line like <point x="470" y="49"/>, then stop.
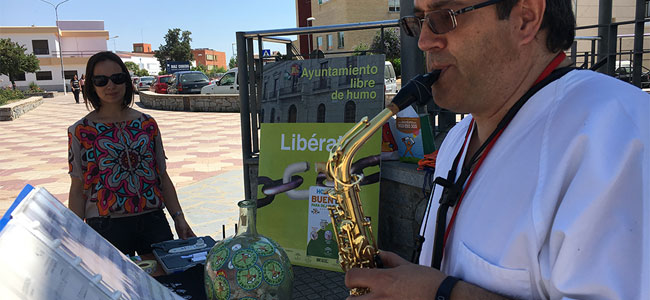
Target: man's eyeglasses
<point x="117" y="78"/>
<point x="439" y="21"/>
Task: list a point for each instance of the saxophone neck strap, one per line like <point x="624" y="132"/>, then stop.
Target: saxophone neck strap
<point x="454" y="189"/>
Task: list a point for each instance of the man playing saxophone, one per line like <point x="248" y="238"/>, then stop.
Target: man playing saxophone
<point x="542" y="192"/>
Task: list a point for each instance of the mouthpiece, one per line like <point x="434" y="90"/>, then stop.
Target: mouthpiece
<point x="417" y="90"/>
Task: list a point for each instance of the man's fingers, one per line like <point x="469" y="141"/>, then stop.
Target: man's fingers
<point x="391" y="260"/>
<point x="357" y="277"/>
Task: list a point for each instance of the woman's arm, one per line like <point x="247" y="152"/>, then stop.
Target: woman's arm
<point x="76" y="201"/>
<point x="174" y="207"/>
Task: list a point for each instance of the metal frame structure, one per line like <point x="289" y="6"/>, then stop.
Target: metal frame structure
<point x="250" y="80"/>
<point x="250" y="77"/>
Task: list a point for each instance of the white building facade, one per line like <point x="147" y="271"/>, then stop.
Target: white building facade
<point x="145" y="61"/>
<point x="79" y="41"/>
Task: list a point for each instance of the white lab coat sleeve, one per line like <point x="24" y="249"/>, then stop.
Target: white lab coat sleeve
<point x="589" y="206"/>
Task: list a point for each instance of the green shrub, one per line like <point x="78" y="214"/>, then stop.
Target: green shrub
<point x="7" y="94"/>
<point x="34" y="88"/>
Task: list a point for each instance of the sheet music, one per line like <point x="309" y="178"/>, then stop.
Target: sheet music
<point x="47" y="252"/>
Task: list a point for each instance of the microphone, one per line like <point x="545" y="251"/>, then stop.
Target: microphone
<point x="418" y="89"/>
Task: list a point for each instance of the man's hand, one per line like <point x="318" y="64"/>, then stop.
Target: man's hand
<point x="182" y="228"/>
<point x="399" y="279"/>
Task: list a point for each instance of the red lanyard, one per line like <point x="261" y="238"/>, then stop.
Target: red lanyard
<point x="450" y="195"/>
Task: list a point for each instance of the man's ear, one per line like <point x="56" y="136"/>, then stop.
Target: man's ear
<point x="529" y="15"/>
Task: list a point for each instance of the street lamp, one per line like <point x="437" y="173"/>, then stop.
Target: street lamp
<point x="113" y="38"/>
<point x="310" y="21"/>
<point x="58" y="34"/>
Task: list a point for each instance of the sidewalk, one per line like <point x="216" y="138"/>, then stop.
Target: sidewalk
<point x="203" y="160"/>
<point x="200" y="147"/>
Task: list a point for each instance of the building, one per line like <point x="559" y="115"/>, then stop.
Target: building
<point x="142" y="56"/>
<point x="210" y="58"/>
<point x="586" y="12"/>
<point x="332" y="12"/>
<point x="142" y="48"/>
<point x="79" y="41"/>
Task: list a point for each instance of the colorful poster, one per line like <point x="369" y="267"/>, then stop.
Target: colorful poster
<point x="294" y="191"/>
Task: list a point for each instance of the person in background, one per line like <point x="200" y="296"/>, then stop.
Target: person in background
<point x="82" y="82"/>
<point x="542" y="191"/>
<point x="119" y="183"/>
<point x="76" y="88"/>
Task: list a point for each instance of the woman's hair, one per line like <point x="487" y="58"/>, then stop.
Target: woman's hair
<point x="559" y="21"/>
<point x="89" y="87"/>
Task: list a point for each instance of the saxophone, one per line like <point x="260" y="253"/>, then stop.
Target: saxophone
<point x="357" y="245"/>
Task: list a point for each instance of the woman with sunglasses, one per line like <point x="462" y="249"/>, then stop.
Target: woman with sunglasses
<point x="117" y="164"/>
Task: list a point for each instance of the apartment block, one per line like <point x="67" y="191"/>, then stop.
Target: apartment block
<point x="210" y="58"/>
<point x="79" y="41"/>
<point x="332" y="12"/>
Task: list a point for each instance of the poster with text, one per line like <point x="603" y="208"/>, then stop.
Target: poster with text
<point x="295" y="197"/>
<point x="330" y="90"/>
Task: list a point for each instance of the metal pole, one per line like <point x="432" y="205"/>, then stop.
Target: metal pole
<point x="58" y="34"/>
<point x="242" y="65"/>
<point x="638" y="42"/>
<point x="604" y="20"/>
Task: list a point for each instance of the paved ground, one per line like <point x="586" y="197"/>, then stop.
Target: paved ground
<point x="204" y="162"/>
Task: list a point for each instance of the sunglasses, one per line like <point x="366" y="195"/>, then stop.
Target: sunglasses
<point x="439" y="21"/>
<point x="117" y="78"/>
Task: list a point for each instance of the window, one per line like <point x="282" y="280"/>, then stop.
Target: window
<point x="393" y="5"/>
<point x="323" y="1"/>
<point x="139" y="49"/>
<point x="209" y="57"/>
<point x="262" y="116"/>
<point x="272" y="115"/>
<point x="18" y="77"/>
<point x="647" y="8"/>
<point x="319" y="43"/>
<point x="70" y="74"/>
<point x="44" y="75"/>
<point x="341" y="40"/>
<point x="330" y="42"/>
<point x="40" y="47"/>
<point x="293" y="113"/>
<point x="350" y="112"/>
<point x="320" y="114"/>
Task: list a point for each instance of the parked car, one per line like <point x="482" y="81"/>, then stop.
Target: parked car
<point x="390" y="80"/>
<point x="625" y="73"/>
<point x="187" y="82"/>
<point x="160" y="84"/>
<point x="228" y="84"/>
<point x="145" y="82"/>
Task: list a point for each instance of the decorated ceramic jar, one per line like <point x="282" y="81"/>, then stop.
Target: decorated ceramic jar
<point x="248" y="265"/>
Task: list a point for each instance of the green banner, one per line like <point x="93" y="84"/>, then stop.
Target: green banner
<point x="298" y="218"/>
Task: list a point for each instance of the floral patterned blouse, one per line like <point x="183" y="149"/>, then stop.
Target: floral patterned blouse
<point x="119" y="165"/>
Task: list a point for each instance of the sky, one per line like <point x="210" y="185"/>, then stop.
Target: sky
<point x="213" y="23"/>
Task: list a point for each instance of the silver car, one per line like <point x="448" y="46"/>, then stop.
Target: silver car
<point x="145" y="82"/>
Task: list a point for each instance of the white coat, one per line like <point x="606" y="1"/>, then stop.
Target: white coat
<point x="560" y="208"/>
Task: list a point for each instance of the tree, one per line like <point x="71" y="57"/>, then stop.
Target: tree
<point x="135" y="69"/>
<point x="176" y="48"/>
<point x="232" y="63"/>
<point x="391" y="45"/>
<point x="141" y="72"/>
<point x="131" y="66"/>
<point x="200" y="67"/>
<point x="14" y="62"/>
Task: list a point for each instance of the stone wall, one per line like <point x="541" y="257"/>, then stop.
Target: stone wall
<point x="12" y="111"/>
<point x="190" y="102"/>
